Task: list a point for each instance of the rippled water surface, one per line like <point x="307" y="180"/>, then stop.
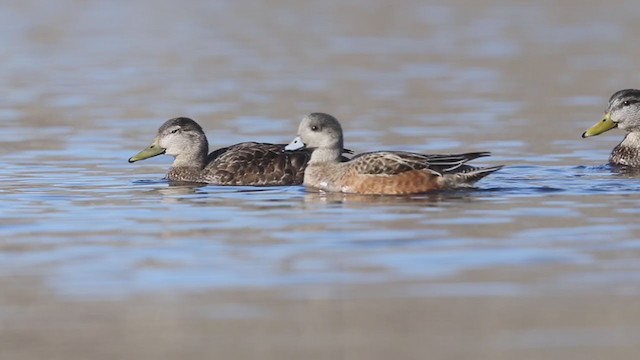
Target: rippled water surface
<point x="103" y="259"/>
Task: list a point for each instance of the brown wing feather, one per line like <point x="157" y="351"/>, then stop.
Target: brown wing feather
<point x="388" y="163"/>
<point x="446" y="163"/>
<point x="253" y="163"/>
<point x="398" y="162"/>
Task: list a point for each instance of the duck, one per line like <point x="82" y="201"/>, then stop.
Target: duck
<point x="247" y="163"/>
<point x="623" y="112"/>
<point x="378" y="172"/>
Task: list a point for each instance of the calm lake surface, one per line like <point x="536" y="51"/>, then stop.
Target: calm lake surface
<point x="102" y="259"/>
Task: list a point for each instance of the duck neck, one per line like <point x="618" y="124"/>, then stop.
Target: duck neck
<point x="325" y="155"/>
<point x="632" y="140"/>
<point x="195" y="156"/>
<point x="628" y="151"/>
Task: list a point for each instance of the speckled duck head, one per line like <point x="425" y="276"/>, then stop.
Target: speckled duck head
<point x="181" y="138"/>
<point x="320" y="133"/>
<point x="623" y="112"/>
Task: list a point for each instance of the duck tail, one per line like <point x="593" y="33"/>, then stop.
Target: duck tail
<point x="452" y="162"/>
<point x="466" y="177"/>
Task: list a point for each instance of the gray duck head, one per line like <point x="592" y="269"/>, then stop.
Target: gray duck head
<point x="622" y="112"/>
<point x="318" y="131"/>
<point x="181" y="138"/>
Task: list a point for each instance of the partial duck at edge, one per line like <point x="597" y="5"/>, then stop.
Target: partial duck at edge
<point x="623" y="111"/>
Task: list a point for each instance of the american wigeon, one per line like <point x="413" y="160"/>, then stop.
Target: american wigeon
<point x="380" y="172"/>
<point x="248" y="163"/>
<point x="623" y="112"/>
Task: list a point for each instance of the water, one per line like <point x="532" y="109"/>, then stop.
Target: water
<point x="103" y="259"/>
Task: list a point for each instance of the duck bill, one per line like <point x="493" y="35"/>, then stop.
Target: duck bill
<point x="151" y="151"/>
<point x="295" y="144"/>
<point x="601" y="126"/>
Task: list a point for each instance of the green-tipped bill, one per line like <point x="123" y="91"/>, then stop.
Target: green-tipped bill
<point x="151" y="151"/>
<point x="601" y="126"/>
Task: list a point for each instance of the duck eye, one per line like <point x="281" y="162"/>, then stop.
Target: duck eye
<point x="175" y="130"/>
<point x="314" y="128"/>
<point x="626" y="103"/>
